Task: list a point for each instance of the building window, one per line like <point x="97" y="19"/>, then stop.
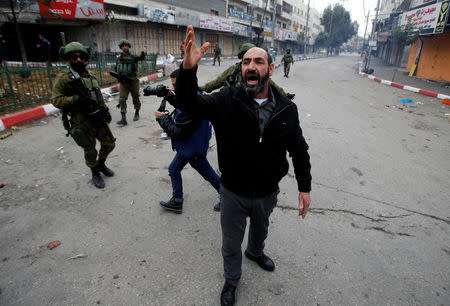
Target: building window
<point x="214" y="12"/>
<point x="258" y="17"/>
<point x="284" y="26"/>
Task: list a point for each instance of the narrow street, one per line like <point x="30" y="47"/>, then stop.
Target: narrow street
<point x="377" y="232"/>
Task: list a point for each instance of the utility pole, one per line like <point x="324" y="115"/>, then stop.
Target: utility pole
<point x="274" y="17"/>
<point x="365" y="31"/>
<point x="306" y="31"/>
<point x="373" y="34"/>
<point x="376" y="20"/>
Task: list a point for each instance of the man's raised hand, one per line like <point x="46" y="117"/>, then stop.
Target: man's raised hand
<point x="193" y="54"/>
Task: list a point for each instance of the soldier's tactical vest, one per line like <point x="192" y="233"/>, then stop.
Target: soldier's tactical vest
<point x="235" y="79"/>
<point x="288" y="58"/>
<point x="91" y="84"/>
<point x="126" y="64"/>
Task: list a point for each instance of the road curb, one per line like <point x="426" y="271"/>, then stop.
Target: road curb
<point x="28" y="115"/>
<point x="405" y="87"/>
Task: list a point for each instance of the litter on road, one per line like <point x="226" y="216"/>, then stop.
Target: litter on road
<point x="59" y="149"/>
<point x="405" y="101"/>
<point x="53" y="244"/>
<point x="78" y="256"/>
<point x="6" y="135"/>
<point x="3" y="185"/>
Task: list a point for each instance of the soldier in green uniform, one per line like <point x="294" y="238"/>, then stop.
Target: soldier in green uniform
<point x="217" y="54"/>
<point x="232" y="76"/>
<point x="288" y="60"/>
<point x="126" y="67"/>
<point x="77" y="94"/>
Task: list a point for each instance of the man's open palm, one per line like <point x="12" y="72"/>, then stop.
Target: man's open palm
<point x="193" y="54"/>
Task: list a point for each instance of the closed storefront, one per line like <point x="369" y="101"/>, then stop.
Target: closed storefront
<point x="227" y="45"/>
<point x="213" y="39"/>
<point x="109" y="35"/>
<point x="145" y="38"/>
<point x="172" y="41"/>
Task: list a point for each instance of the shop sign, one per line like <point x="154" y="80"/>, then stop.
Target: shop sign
<point x="73" y="9"/>
<point x="240" y="29"/>
<point x="239" y="14"/>
<point x="215" y="23"/>
<point x="426" y="19"/>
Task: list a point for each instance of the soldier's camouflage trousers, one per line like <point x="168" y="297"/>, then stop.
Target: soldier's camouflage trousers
<point x="85" y="135"/>
<point x="287" y="68"/>
<point x="216" y="57"/>
<point x="126" y="88"/>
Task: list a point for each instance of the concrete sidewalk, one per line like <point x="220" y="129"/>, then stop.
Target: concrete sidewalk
<point x="400" y="75"/>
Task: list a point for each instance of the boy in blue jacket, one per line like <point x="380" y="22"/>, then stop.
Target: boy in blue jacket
<point x="190" y="139"/>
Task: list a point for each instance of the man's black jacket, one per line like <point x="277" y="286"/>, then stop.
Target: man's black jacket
<point x="251" y="164"/>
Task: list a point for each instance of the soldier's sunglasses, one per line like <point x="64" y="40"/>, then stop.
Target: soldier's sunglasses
<point x="74" y="57"/>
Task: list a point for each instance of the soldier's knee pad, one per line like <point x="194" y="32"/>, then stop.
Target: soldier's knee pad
<point x="90" y="155"/>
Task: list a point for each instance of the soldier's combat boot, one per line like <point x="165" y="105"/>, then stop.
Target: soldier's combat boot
<point x="175" y="205"/>
<point x="103" y="169"/>
<point x="123" y="121"/>
<point x="97" y="178"/>
<point x="136" y="115"/>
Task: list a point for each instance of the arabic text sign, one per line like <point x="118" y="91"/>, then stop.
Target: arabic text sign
<point x="73" y="9"/>
<point x="424" y="19"/>
<point x="215" y="23"/>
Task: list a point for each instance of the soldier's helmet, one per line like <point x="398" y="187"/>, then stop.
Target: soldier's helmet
<point x="244" y="48"/>
<point x="73" y="47"/>
<point x="124" y="42"/>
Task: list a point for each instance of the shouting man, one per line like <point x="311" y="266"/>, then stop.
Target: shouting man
<point x="255" y="127"/>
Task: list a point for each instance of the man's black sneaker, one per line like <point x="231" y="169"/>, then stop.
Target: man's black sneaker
<point x="228" y="295"/>
<point x="172" y="205"/>
<point x="263" y="261"/>
<point x="217" y="207"/>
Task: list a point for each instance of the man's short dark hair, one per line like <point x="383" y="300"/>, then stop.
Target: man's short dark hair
<point x="175" y="74"/>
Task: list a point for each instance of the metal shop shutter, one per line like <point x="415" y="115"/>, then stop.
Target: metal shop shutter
<point x="227" y="45"/>
<point x="213" y="39"/>
<point x="145" y="38"/>
<point x="172" y="41"/>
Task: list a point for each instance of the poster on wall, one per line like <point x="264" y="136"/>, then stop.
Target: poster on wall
<point x="73" y="9"/>
<point x="156" y="14"/>
<point x="215" y="23"/>
<point x="425" y="19"/>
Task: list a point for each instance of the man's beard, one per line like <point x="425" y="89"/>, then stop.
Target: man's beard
<point x="78" y="67"/>
<point x="251" y="91"/>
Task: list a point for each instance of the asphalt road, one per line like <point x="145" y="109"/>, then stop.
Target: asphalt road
<point x="378" y="231"/>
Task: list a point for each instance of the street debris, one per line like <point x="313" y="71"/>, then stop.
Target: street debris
<point x="41" y="123"/>
<point x="59" y="149"/>
<point x="15" y="128"/>
<point x="53" y="244"/>
<point x="78" y="256"/>
<point x="3" y="185"/>
<point x="131" y="202"/>
<point x="405" y="101"/>
<point x="419" y="103"/>
<point x="6" y="135"/>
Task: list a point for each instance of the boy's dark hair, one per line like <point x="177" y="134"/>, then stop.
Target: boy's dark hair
<point x="175" y="74"/>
